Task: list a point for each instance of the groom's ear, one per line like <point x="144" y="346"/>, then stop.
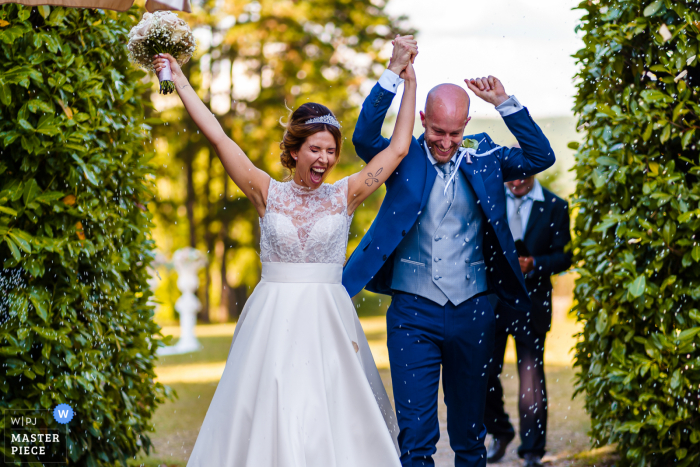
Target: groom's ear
<point x="422" y="118"/>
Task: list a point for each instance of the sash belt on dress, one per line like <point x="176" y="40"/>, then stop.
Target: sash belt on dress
<point x="329" y="273"/>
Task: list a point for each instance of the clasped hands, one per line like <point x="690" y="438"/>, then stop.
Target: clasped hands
<point x="489" y="89"/>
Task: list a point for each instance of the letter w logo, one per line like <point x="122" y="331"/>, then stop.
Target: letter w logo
<point x="63" y="413"/>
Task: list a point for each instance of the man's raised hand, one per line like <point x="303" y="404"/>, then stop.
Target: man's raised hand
<point x="405" y="51"/>
<point x="488" y="89"/>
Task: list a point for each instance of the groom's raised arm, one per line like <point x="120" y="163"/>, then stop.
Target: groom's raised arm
<point x="367" y="138"/>
<point x="535" y="154"/>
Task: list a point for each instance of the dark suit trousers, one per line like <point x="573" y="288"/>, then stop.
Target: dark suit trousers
<point x="532" y="402"/>
<point x="422" y="336"/>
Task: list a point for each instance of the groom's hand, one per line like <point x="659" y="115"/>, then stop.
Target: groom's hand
<point x="405" y="51"/>
<point x="489" y="89"/>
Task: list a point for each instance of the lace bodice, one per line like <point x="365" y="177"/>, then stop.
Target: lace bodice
<point x="302" y="225"/>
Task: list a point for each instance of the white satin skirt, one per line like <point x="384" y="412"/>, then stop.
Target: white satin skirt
<point x="300" y="387"/>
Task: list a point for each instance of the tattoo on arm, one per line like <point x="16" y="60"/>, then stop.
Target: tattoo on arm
<point x="184" y="86"/>
<point x="372" y="179"/>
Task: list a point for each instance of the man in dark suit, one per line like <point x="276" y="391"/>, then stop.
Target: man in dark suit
<point x="539" y="222"/>
<point x="440" y="245"/>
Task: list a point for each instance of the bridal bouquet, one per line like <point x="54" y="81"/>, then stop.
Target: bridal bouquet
<point x="161" y="32"/>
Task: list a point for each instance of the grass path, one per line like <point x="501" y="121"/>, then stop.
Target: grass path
<point x="195" y="377"/>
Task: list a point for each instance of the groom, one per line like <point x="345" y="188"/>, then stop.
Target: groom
<point x="439" y="245"/>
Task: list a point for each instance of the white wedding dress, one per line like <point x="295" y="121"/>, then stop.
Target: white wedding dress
<point x="300" y="387"/>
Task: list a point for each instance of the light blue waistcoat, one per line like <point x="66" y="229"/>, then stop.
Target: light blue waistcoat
<point x="441" y="257"/>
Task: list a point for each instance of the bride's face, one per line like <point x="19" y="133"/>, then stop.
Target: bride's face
<point x="315" y="159"/>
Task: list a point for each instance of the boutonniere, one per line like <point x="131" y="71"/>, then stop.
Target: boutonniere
<point x="471" y="145"/>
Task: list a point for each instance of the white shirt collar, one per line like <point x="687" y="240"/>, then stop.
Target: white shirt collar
<point x="536" y="194"/>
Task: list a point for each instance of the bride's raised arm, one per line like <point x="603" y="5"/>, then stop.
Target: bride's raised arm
<point x="377" y="171"/>
<point x="252" y="181"/>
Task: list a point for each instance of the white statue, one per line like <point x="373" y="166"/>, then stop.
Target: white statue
<point x="187" y="261"/>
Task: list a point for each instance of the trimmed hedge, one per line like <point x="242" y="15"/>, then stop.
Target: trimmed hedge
<point x="75" y="323"/>
<point x="637" y="197"/>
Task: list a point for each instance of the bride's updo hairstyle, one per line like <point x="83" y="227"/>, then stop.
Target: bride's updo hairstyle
<point x="297" y="130"/>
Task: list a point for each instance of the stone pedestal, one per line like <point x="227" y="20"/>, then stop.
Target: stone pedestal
<point x="187" y="262"/>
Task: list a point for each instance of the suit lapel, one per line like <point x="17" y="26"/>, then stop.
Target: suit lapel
<point x="476" y="182"/>
<point x="535" y="213"/>
<point x="430" y="174"/>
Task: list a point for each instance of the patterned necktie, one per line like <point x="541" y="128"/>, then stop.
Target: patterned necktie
<point x="446" y="168"/>
<point x="516" y="223"/>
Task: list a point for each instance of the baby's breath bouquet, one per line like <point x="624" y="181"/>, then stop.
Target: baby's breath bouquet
<point x="161" y="32"/>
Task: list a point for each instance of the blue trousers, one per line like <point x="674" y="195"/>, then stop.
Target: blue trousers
<point x="422" y="336"/>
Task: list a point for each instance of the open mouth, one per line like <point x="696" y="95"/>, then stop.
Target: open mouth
<point x="443" y="152"/>
<point x="316" y="174"/>
<point x="440" y="153"/>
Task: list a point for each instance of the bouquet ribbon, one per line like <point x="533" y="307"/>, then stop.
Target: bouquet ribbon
<point x="165" y="74"/>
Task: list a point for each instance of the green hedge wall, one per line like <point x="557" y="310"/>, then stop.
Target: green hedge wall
<point x="75" y="323"/>
<point x="637" y="197"/>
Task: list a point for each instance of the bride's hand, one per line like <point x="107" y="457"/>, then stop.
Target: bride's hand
<point x="408" y="73"/>
<point x="159" y="63"/>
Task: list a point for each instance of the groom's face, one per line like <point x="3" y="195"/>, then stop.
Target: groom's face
<point x="444" y="120"/>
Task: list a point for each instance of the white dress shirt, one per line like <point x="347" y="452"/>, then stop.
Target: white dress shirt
<point x="390" y="81"/>
<point x="533" y="195"/>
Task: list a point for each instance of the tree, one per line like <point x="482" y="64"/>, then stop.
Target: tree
<point x="76" y="325"/>
<point x="637" y="200"/>
<point x="255" y="58"/>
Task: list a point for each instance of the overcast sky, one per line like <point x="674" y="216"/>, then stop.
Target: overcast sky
<point x="527" y="44"/>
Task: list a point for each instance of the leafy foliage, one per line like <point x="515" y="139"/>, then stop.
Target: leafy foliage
<point x="638" y="213"/>
<point x="75" y="323"/>
<point x="281" y="55"/>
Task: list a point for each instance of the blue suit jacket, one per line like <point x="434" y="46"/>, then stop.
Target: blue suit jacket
<point x="408" y="188"/>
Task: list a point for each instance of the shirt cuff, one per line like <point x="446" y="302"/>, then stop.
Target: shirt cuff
<point x="509" y="107"/>
<point x="390" y="81"/>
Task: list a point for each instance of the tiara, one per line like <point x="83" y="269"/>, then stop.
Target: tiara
<point x="327" y="119"/>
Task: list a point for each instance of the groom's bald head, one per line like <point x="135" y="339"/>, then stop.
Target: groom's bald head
<point x="448" y="100"/>
<point x="445" y="117"/>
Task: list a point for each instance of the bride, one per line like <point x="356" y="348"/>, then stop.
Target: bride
<point x="300" y="387"/>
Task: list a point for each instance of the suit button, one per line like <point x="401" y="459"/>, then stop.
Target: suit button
<point x="436" y="259"/>
<point x="437" y="238"/>
<point x="384" y="258"/>
<point x="437" y="277"/>
<point x="403" y="233"/>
